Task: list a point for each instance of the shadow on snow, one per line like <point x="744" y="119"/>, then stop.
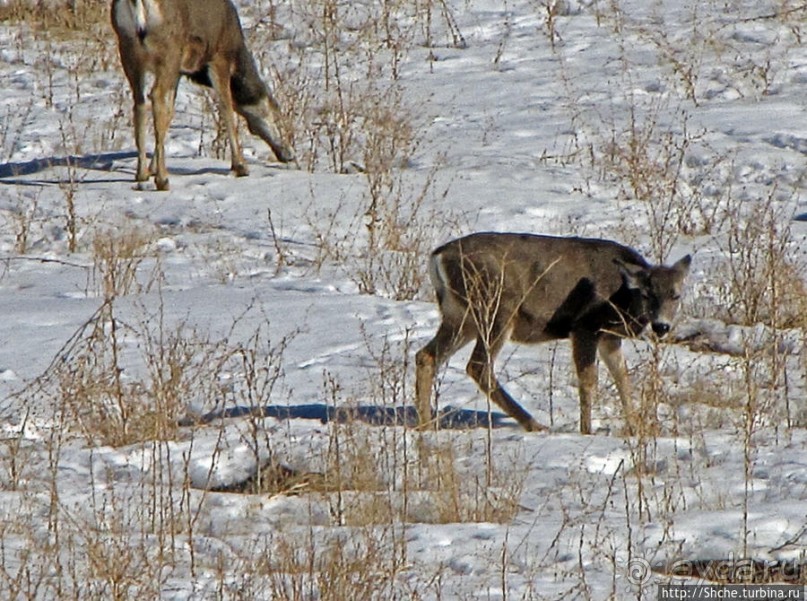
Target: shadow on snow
<point x="101" y="162"/>
<point x="447" y="418"/>
<point x="105" y="161"/>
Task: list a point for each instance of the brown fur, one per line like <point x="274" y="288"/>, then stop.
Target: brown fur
<point x="492" y="287"/>
<point x="203" y="40"/>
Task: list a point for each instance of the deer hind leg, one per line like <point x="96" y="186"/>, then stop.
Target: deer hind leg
<point x="163" y="96"/>
<point x="135" y="77"/>
<point x="261" y="118"/>
<point x="480" y="368"/>
<point x="140" y="118"/>
<point x="611" y="352"/>
<point x="219" y="71"/>
<point x="255" y="103"/>
<point x="446" y="342"/>
<point x="584" y="352"/>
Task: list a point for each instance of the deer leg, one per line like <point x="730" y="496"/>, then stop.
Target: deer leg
<point x="261" y="120"/>
<point x="163" y="95"/>
<point x="584" y="352"/>
<point x="445" y="343"/>
<point x="220" y="77"/>
<point x="480" y="368"/>
<point x="255" y="103"/>
<point x="140" y="116"/>
<point x="610" y="348"/>
<point x="135" y="77"/>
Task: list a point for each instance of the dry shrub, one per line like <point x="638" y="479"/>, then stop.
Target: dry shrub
<point x="710" y="402"/>
<point x="117" y="257"/>
<point x="76" y="16"/>
<point x="117" y="383"/>
<point x="669" y="171"/>
<point x="115" y="396"/>
<point x="763" y="277"/>
<point x="303" y="564"/>
<point x="386" y="476"/>
<point x="105" y="406"/>
<point x="14" y="121"/>
<point x="95" y="399"/>
<point x="400" y="223"/>
<point x="402" y="228"/>
<point x="383" y="473"/>
<point x="460" y="494"/>
<point x="346" y="111"/>
<point x="343" y="66"/>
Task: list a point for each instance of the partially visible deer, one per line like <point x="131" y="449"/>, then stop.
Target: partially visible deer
<point x="203" y="40"/>
<point x="492" y="287"/>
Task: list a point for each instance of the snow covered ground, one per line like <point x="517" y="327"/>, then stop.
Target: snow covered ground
<point x="275" y="317"/>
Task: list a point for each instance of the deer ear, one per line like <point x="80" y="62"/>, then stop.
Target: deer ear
<point x="682" y="265"/>
<point x="633" y="276"/>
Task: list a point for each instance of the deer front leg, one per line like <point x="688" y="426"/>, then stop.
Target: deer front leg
<point x="611" y="353"/>
<point x="584" y="352"/>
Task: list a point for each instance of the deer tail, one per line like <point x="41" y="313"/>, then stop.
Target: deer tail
<point x="438" y="276"/>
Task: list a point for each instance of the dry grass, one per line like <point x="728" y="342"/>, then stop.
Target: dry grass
<point x="68" y="18"/>
<point x="303" y="564"/>
<point x="343" y="106"/>
<point x="677" y="188"/>
<point x="126" y="377"/>
<point x="763" y="278"/>
<point x="118" y="255"/>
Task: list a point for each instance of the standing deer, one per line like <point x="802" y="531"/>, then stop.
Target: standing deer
<point x="203" y="40"/>
<point x="492" y="287"/>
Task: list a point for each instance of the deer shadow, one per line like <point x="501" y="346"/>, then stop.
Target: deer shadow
<point x="448" y="418"/>
<point x="10" y="173"/>
<point x="103" y="161"/>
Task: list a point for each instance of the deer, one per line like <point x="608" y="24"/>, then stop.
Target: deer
<point x="528" y="288"/>
<point x="203" y="40"/>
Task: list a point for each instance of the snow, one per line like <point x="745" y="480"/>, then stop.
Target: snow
<point x="258" y="288"/>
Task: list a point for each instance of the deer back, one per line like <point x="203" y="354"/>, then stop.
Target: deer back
<point x="545" y="285"/>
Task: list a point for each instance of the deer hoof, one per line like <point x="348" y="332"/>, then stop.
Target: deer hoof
<point x="240" y="170"/>
<point x="162" y="184"/>
<point x="284" y="154"/>
<point x="534" y="426"/>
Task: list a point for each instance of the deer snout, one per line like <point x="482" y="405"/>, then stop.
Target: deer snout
<point x="661" y="329"/>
